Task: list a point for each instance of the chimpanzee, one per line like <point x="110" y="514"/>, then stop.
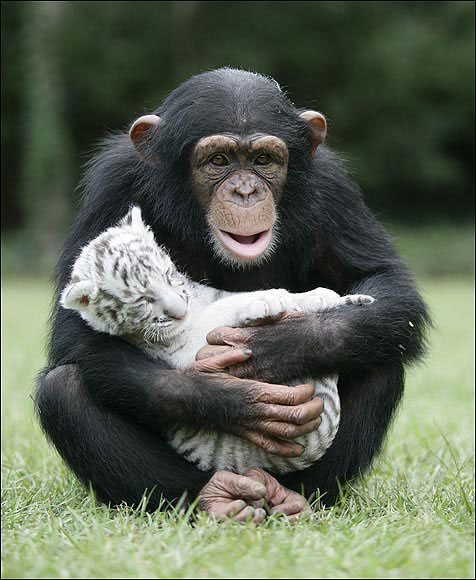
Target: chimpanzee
<point x="237" y="185"/>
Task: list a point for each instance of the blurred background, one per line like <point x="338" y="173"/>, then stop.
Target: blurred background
<point x="394" y="79"/>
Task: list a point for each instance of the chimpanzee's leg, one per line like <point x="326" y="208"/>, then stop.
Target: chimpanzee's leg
<point x="118" y="458"/>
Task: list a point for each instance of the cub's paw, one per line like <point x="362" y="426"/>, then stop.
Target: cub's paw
<point x="318" y="299"/>
<point x="313" y="303"/>
<point x="357" y="299"/>
<point x="270" y="303"/>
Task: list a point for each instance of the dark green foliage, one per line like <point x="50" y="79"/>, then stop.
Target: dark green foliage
<point x="395" y="80"/>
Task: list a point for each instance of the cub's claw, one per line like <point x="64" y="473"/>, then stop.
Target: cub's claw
<point x="357" y="299"/>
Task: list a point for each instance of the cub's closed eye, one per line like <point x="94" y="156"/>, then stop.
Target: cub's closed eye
<point x="145" y="299"/>
<point x="174" y="278"/>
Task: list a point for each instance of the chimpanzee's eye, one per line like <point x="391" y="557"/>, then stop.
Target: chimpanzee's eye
<point x="220" y="160"/>
<point x="263" y="159"/>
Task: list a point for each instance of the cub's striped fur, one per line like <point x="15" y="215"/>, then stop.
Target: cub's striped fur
<point x="124" y="284"/>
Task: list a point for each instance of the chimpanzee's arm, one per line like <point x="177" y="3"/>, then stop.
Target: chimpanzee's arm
<point x="106" y="449"/>
<point x="120" y="377"/>
<point x="348" y="339"/>
<point x="353" y="255"/>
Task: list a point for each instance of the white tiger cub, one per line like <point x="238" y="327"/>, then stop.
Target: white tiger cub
<point x="124" y="284"/>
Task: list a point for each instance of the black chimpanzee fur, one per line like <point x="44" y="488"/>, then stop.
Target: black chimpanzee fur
<point x="105" y="413"/>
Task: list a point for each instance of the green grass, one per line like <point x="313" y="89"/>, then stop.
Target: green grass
<point x="412" y="517"/>
<point x="436" y="248"/>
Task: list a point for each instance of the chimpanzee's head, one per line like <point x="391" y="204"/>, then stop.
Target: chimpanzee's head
<point x="240" y="135"/>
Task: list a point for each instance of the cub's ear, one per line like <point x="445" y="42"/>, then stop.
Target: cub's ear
<point x="133" y="217"/>
<point x="78" y="295"/>
<point x="140" y="135"/>
<point x="317" y="125"/>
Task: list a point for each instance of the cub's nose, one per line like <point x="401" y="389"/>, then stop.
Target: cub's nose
<point x="176" y="312"/>
<point x="174" y="306"/>
<point x="161" y="319"/>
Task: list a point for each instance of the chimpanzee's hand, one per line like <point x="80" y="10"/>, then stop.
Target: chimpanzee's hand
<point x="226" y="495"/>
<point x="280" y="499"/>
<point x="261" y="413"/>
<point x="270" y="361"/>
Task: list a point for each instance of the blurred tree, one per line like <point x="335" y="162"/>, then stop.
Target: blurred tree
<point x="11" y="107"/>
<point x="46" y="156"/>
<point x="395" y="79"/>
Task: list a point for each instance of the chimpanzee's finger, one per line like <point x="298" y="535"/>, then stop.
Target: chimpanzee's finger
<point x="247" y="514"/>
<point x="273" y="446"/>
<point x="225" y="335"/>
<point x="233" y="508"/>
<point x="258" y="503"/>
<point x="287" y="430"/>
<point x="293" y="506"/>
<point x="260" y="516"/>
<point x="220" y="362"/>
<point x="295" y="415"/>
<point x="281" y="395"/>
<point x="238" y="486"/>
<point x="210" y="351"/>
<point x="264" y="321"/>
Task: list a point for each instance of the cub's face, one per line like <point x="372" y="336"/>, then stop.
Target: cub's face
<point x="152" y="304"/>
<point x="127" y="286"/>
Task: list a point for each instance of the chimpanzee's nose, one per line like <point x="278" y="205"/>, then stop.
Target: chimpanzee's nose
<point x="245" y="194"/>
<point x="243" y="190"/>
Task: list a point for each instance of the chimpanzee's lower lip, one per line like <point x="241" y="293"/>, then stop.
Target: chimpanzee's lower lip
<point x="246" y="247"/>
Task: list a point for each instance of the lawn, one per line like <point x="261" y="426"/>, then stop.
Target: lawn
<point x="412" y="517"/>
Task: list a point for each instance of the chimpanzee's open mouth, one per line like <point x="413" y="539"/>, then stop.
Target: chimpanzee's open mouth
<point x="246" y="246"/>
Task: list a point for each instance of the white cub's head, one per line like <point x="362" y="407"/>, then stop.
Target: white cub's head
<point x="123" y="283"/>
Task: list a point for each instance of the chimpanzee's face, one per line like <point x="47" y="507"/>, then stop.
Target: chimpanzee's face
<point x="238" y="181"/>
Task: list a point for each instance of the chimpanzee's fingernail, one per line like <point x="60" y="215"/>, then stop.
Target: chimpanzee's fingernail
<point x="247" y="351"/>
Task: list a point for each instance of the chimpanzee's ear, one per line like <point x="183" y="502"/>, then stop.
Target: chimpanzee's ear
<point x="140" y="134"/>
<point x="318" y="127"/>
<point x="78" y="295"/>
